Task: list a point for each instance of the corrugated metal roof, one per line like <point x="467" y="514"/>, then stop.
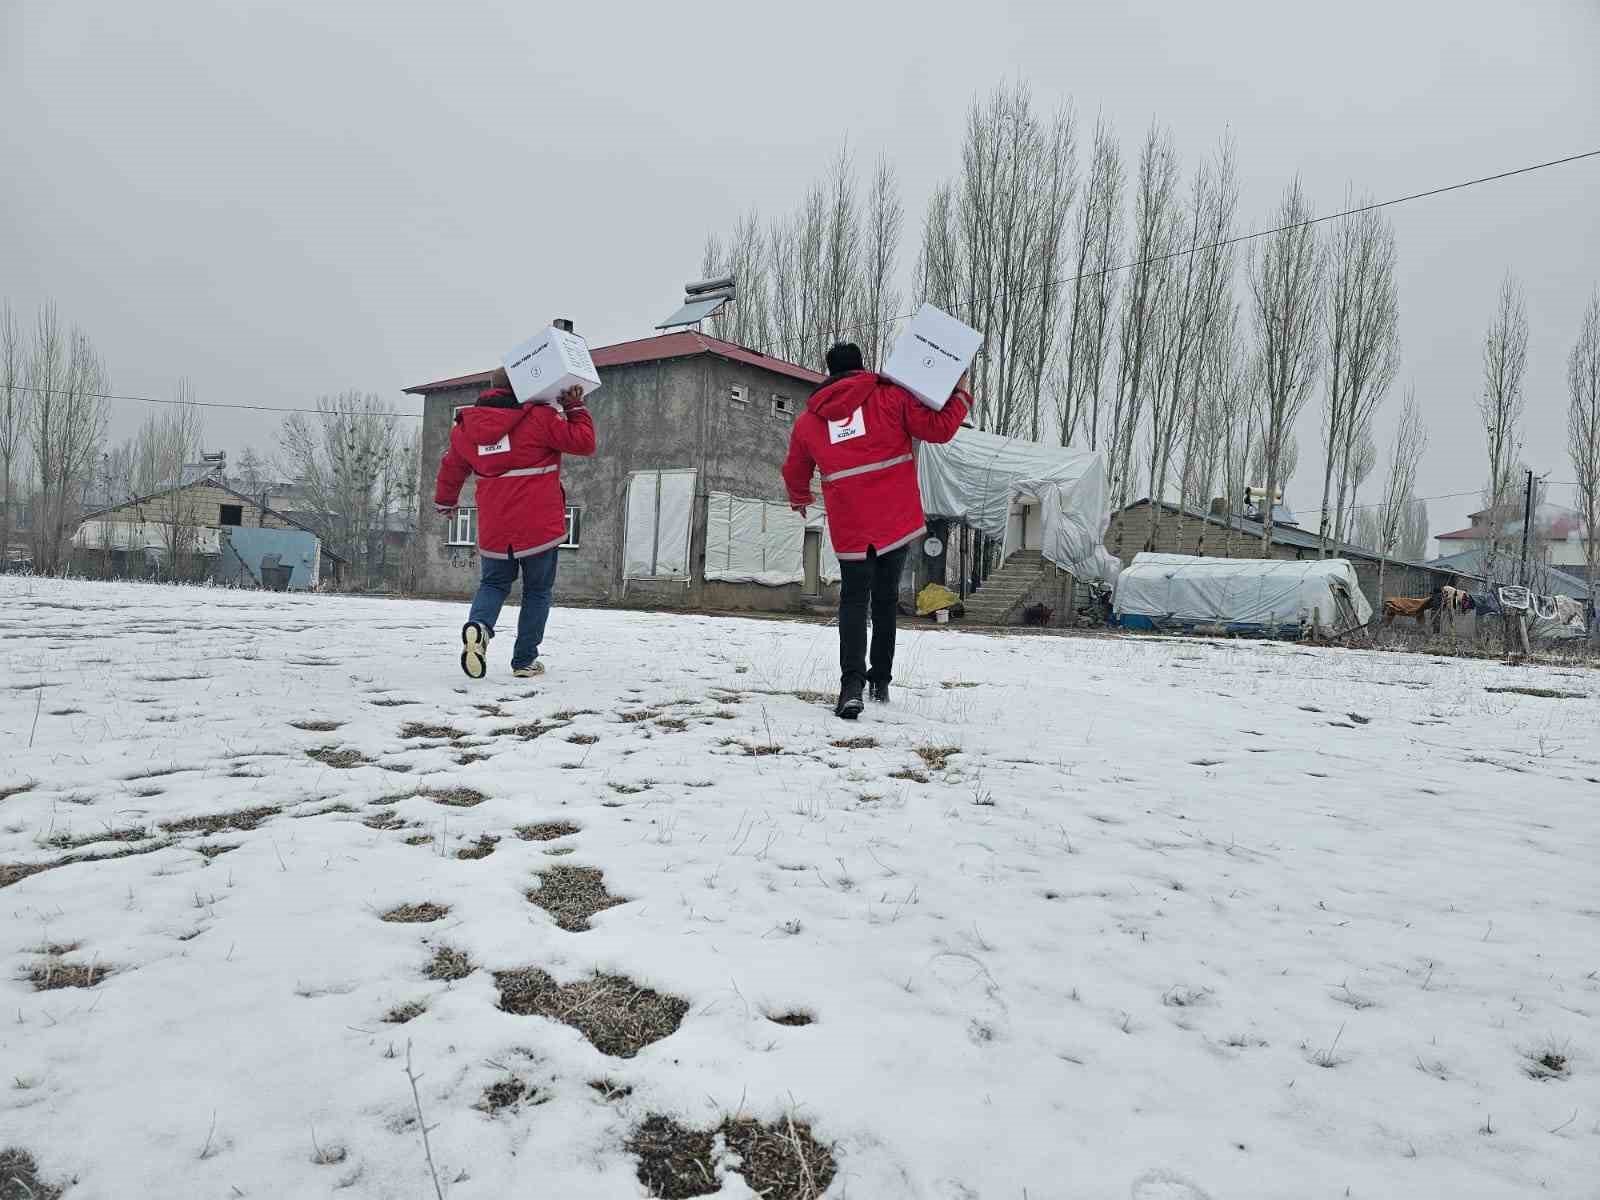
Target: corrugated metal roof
<point x="683" y="344"/>
<point x="1560" y="583"/>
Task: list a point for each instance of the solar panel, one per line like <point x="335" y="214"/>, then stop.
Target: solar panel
<point x="694" y="311"/>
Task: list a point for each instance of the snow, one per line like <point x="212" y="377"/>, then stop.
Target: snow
<point x="1100" y="954"/>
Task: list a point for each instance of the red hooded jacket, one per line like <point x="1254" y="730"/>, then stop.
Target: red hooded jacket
<point x="857" y="430"/>
<point x="516" y="454"/>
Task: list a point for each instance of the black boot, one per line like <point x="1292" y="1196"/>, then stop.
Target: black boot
<point x="849" y="706"/>
<point x="878" y="693"/>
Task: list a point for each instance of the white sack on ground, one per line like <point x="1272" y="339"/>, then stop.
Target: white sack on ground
<point x="976" y="478"/>
<point x="1262" y="593"/>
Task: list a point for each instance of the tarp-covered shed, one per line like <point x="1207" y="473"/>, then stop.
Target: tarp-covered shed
<point x="981" y="478"/>
<point x="1240" y="595"/>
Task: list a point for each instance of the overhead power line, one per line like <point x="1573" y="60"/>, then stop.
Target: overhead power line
<point x="315" y="412"/>
<point x="1232" y="241"/>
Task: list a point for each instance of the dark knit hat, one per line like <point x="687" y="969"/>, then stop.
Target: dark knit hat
<point x="843" y="357"/>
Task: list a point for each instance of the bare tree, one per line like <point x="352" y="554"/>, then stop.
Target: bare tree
<point x="1583" y="429"/>
<point x="1505" y="360"/>
<point x="1096" y="239"/>
<point x="16" y="406"/>
<point x="1286" y="290"/>
<point x="253" y="475"/>
<point x="1154" y="226"/>
<point x="1207" y="279"/>
<point x="68" y="381"/>
<point x="1359" y="462"/>
<point x="748" y="320"/>
<point x="1414" y="531"/>
<point x="1362" y="329"/>
<point x="879" y="298"/>
<point x="167" y="442"/>
<point x="1239" y="387"/>
<point x="1400" y="482"/>
<point x="341" y="457"/>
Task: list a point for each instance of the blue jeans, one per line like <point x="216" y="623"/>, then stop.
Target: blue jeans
<point x="494" y="585"/>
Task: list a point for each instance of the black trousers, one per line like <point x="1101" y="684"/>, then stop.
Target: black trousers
<point x="874" y="583"/>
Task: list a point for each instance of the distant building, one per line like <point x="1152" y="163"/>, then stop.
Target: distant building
<point x="1559" y="537"/>
<point x="1219" y="533"/>
<point x="202" y="530"/>
<point x="691" y="434"/>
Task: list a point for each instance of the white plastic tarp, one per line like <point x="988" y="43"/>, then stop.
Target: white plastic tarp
<point x="761" y="541"/>
<point x="660" y="510"/>
<point x="1265" y="593"/>
<point x="978" y="478"/>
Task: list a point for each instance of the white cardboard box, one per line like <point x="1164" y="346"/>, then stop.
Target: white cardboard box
<point x="930" y="356"/>
<point x="549" y="363"/>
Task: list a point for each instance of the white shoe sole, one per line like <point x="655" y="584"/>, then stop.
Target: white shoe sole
<point x="475" y="652"/>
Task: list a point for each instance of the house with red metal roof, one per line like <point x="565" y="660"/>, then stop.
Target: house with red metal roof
<point x="1559" y="538"/>
<point x="681" y="505"/>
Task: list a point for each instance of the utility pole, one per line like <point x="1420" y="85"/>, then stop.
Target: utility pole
<point x="1527" y="524"/>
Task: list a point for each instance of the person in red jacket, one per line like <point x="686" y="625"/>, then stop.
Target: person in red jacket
<point x="857" y="430"/>
<point x="515" y="451"/>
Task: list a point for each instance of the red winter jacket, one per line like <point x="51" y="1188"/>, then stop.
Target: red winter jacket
<point x="516" y="454"/>
<point x="857" y="430"/>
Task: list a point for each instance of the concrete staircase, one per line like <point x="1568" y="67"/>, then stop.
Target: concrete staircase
<point x="1002" y="594"/>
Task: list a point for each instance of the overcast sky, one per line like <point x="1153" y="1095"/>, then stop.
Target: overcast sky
<point x="281" y="204"/>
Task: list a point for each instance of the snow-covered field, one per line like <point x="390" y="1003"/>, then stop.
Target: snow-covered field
<point x="1144" y="918"/>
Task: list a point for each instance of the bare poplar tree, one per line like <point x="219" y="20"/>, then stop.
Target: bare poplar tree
<point x="939" y="267"/>
<point x="1400" y="482"/>
<point x="1414" y="531"/>
<point x="1096" y="241"/>
<point x="1238" y="405"/>
<point x="167" y="442"/>
<point x="1286" y="290"/>
<point x="1360" y="461"/>
<point x="341" y="457"/>
<point x="1583" y="429"/>
<point x="1220" y="403"/>
<point x="253" y="475"/>
<point x="67" y="422"/>
<point x="748" y="320"/>
<point x="16" y="405"/>
<point x="1206" y="274"/>
<point x="880" y="299"/>
<point x="1153" y="229"/>
<point x="1505" y="360"/>
<point x="1363" y="349"/>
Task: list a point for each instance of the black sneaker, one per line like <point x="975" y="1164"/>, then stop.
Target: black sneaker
<point x="475" y="649"/>
<point x="878" y="693"/>
<point x="849" y="706"/>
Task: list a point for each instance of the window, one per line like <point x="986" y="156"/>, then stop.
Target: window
<point x="739" y="394"/>
<point x="570" y="542"/>
<point x="463" y="528"/>
<point x="782" y="406"/>
<point x="232" y="514"/>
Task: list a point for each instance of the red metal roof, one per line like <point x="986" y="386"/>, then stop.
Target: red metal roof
<point x="1476" y="534"/>
<point x="682" y="344"/>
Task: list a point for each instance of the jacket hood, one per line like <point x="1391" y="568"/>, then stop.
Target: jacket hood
<point x="491" y="418"/>
<point x="840" y="395"/>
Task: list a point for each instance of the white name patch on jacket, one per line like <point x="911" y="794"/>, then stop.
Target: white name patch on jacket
<point x="843" y="431"/>
<point x="503" y="446"/>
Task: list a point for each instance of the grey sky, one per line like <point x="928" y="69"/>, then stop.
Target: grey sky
<point x="282" y="204"/>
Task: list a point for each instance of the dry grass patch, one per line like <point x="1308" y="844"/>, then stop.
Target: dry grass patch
<point x="386" y="702"/>
<point x="466" y="760"/>
<point x="910" y="774"/>
<point x="583" y="739"/>
<point x="401" y="1013"/>
<point x="244" y="820"/>
<point x="951" y="685"/>
<point x="19" y="1177"/>
<point x="572" y="895"/>
<point x="210" y="850"/>
<point x="527" y="731"/>
<point x="610" y="1089"/>
<point x="413" y="730"/>
<point x="51" y="973"/>
<point x="416" y="914"/>
<point x="778" y="1161"/>
<point x="793" y="1019"/>
<point x="672" y="724"/>
<point x="65" y="841"/>
<point x="634" y="718"/>
<point x="1542" y="693"/>
<point x="481" y="848"/>
<point x="456" y="797"/>
<point x="546" y="831"/>
<point x="618" y="1016"/>
<point x="855" y="743"/>
<point x="419" y="839"/>
<point x="937" y="757"/>
<point x="448" y="963"/>
<point x="572" y="714"/>
<point x="506" y="1093"/>
<point x="317" y="726"/>
<point x="339" y="758"/>
<point x="8" y="790"/>
<point x="383" y="819"/>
